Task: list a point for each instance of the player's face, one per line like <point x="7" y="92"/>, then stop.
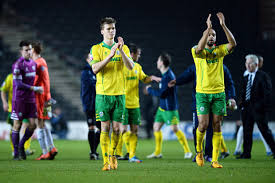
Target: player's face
<point x="211" y="39"/>
<point x="109" y="31"/>
<point x="136" y="56"/>
<point x="26" y="52"/>
<point x="159" y="63"/>
<point x="250" y="65"/>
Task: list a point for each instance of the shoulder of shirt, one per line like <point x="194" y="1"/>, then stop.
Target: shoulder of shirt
<point x="137" y="65"/>
<point x="96" y="46"/>
<point x="125" y="47"/>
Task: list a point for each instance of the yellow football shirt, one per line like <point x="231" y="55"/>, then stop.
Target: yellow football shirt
<point x="132" y="78"/>
<point x="7" y="87"/>
<point x="110" y="79"/>
<point x="209" y="69"/>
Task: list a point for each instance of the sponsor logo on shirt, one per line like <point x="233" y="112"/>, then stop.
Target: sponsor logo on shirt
<point x="131" y="78"/>
<point x="212" y="61"/>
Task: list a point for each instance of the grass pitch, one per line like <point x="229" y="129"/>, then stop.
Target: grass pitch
<point x="72" y="164"/>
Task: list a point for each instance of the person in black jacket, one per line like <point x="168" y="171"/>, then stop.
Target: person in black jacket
<point x="255" y="104"/>
<point x="87" y="94"/>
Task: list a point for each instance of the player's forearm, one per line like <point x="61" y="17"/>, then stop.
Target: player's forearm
<point x="22" y="85"/>
<point x="100" y="65"/>
<point x="127" y="61"/>
<point x="4" y="97"/>
<point x="230" y="38"/>
<point x="203" y="41"/>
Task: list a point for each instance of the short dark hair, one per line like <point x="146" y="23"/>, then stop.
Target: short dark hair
<point x="37" y="46"/>
<point x="133" y="48"/>
<point x="106" y="20"/>
<point x="24" y="43"/>
<point x="166" y="58"/>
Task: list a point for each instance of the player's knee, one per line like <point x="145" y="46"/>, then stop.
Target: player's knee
<point x="202" y="127"/>
<point x="134" y="131"/>
<point x="116" y="130"/>
<point x="123" y="131"/>
<point x="174" y="128"/>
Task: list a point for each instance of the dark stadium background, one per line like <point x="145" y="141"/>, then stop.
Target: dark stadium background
<point x="71" y="27"/>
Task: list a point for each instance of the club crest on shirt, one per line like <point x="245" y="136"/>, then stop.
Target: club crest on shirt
<point x="20" y="114"/>
<point x="101" y="114"/>
<point x="136" y="71"/>
<point x="117" y="52"/>
<point x="201" y="108"/>
<point x="42" y="68"/>
<point x="27" y="69"/>
<point x="33" y="68"/>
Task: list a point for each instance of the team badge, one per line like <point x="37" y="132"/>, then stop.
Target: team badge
<point x="33" y="68"/>
<point x="20" y="114"/>
<point x="117" y="52"/>
<point x="27" y="69"/>
<point x="136" y="71"/>
<point x="201" y="108"/>
<point x="101" y="114"/>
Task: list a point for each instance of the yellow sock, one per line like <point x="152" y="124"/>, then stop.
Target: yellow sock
<point x="158" y="139"/>
<point x="183" y="141"/>
<point x="119" y="146"/>
<point x="126" y="137"/>
<point x="27" y="144"/>
<point x="104" y="143"/>
<point x="216" y="145"/>
<point x="114" y="142"/>
<point x="200" y="137"/>
<point x="133" y="145"/>
<point x="223" y="145"/>
<point x="12" y="149"/>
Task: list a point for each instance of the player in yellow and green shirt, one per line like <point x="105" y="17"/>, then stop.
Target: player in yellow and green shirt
<point x="132" y="110"/>
<point x="6" y="89"/>
<point x="210" y="94"/>
<point x="109" y="60"/>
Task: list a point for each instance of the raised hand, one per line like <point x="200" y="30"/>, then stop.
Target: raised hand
<point x="221" y="18"/>
<point x="208" y="22"/>
<point x="113" y="50"/>
<point x="120" y="43"/>
<point x="172" y="83"/>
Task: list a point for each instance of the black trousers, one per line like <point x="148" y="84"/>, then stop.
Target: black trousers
<point x="249" y="117"/>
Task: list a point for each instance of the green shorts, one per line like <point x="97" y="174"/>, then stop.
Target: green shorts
<point x="214" y="103"/>
<point x="110" y="108"/>
<point x="132" y="116"/>
<point x="167" y="117"/>
<point x="10" y="121"/>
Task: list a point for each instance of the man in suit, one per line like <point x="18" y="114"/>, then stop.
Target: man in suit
<point x="255" y="105"/>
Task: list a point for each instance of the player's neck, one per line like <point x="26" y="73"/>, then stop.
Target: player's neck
<point x="208" y="47"/>
<point x="109" y="42"/>
<point x="35" y="56"/>
<point x="164" y="70"/>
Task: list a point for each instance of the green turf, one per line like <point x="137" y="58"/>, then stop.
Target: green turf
<point x="72" y="165"/>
